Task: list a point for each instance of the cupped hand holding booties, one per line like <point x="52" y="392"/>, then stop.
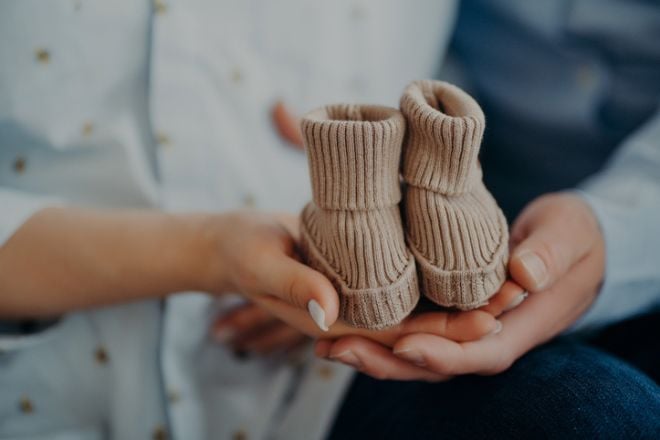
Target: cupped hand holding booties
<point x="352" y="230"/>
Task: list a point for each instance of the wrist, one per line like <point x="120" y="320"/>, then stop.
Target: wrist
<point x="205" y="260"/>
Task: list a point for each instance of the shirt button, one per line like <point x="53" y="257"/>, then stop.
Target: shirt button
<point x="162" y="139"/>
<point x="239" y="435"/>
<point x="325" y="372"/>
<point x="42" y="55"/>
<point x="249" y="201"/>
<point x="160" y="7"/>
<point x="101" y="355"/>
<point x="173" y="396"/>
<point x="236" y="75"/>
<point x="159" y="433"/>
<point x="20" y="164"/>
<point x="87" y="129"/>
<point x="25" y="405"/>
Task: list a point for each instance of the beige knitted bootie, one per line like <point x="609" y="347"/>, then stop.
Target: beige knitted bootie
<point x="352" y="230"/>
<point x="454" y="227"/>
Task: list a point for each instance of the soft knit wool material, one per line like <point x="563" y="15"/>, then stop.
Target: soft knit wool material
<point x="455" y="229"/>
<point x="352" y="230"/>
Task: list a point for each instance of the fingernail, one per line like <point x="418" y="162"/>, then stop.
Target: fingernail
<point x="516" y="301"/>
<point x="347" y="357"/>
<point x="411" y="355"/>
<point x="317" y="313"/>
<point x="224" y="335"/>
<point x="535" y="267"/>
<point x="498" y="328"/>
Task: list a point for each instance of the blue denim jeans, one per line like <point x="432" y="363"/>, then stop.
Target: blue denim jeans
<point x="569" y="388"/>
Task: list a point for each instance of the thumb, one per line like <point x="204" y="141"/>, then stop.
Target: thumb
<point x="303" y="288"/>
<point x="555" y="233"/>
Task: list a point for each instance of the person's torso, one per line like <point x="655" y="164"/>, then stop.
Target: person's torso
<point x="168" y="104"/>
<point x="562" y="83"/>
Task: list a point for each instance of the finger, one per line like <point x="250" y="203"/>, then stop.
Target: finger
<point x="275" y="338"/>
<point x="291" y="223"/>
<point x="539" y="318"/>
<point x="377" y="361"/>
<point x="510" y="296"/>
<point x="293" y="316"/>
<point x="446" y="357"/>
<point x="238" y="322"/>
<point x="300" y="286"/>
<point x="554" y="236"/>
<point x="287" y="125"/>
<point x="322" y="348"/>
<point x="458" y="326"/>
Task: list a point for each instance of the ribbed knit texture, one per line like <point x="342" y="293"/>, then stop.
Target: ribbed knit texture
<point x="352" y="230"/>
<point x="455" y="229"/>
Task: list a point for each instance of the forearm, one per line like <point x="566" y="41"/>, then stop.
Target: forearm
<point x="63" y="259"/>
<point x="625" y="197"/>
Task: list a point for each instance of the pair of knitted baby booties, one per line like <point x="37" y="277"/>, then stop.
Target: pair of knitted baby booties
<point x="456" y="237"/>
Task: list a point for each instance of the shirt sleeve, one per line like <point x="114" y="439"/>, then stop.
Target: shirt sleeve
<point x="625" y="197"/>
<point x="18" y="206"/>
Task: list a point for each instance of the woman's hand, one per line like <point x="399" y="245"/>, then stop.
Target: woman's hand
<point x="558" y="256"/>
<point x="255" y="255"/>
<point x="260" y="261"/>
<point x="250" y="329"/>
<point x="65" y="259"/>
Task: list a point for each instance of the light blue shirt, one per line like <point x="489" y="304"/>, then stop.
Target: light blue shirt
<point x="167" y="104"/>
<point x="571" y="91"/>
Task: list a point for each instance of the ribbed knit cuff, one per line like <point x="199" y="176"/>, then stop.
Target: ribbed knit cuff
<point x="354" y="153"/>
<point x="445" y="127"/>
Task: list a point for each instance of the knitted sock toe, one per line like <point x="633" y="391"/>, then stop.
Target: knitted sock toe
<point x="455" y="229"/>
<point x="352" y="230"/>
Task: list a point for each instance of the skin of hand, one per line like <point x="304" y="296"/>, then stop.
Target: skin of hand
<point x="558" y="256"/>
<point x="251" y="329"/>
<point x="463" y="326"/>
<point x="63" y="259"/>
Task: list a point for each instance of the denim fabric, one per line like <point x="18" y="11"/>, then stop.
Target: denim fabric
<point x="568" y="388"/>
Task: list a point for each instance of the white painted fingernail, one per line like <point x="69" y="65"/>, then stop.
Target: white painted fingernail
<point x="516" y="301"/>
<point x="498" y="328"/>
<point x="535" y="267"/>
<point x="317" y="313"/>
<point x="224" y="335"/>
<point x="411" y="355"/>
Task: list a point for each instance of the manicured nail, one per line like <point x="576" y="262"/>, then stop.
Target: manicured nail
<point x="411" y="355"/>
<point x="224" y="335"/>
<point x="516" y="301"/>
<point x="317" y="314"/>
<point x="535" y="267"/>
<point x="347" y="357"/>
<point x="498" y="328"/>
